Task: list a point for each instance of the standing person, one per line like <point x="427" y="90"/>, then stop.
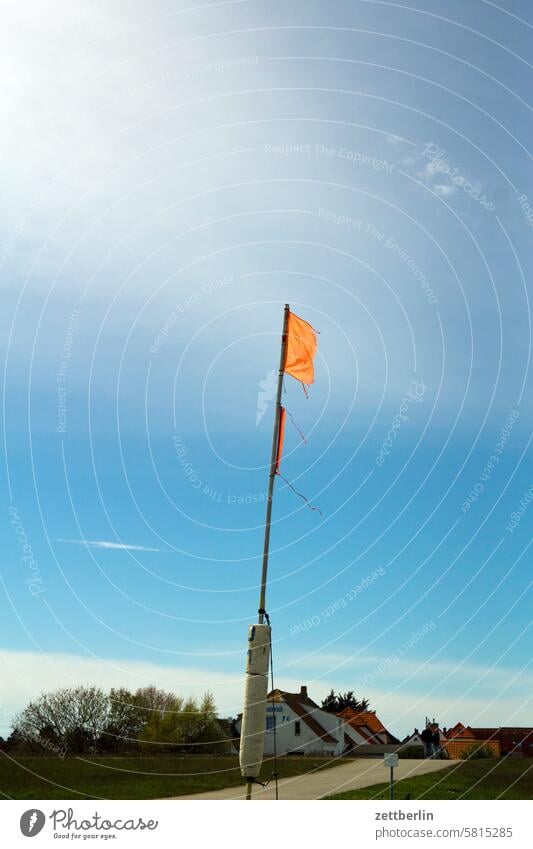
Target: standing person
<point x="427" y="739"/>
<point x="435" y="740"/>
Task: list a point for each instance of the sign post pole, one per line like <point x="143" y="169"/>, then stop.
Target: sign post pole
<point x="391" y="761"/>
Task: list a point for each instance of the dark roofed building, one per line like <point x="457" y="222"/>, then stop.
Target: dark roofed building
<point x="513" y="741"/>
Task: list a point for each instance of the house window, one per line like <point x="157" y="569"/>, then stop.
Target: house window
<point x="297" y="728"/>
<point x="271" y="722"/>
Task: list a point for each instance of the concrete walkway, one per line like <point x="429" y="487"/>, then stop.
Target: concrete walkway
<point x="360" y="772"/>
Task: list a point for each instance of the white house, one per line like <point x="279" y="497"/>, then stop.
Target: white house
<point x="302" y="727"/>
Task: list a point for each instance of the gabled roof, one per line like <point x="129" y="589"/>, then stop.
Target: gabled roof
<point x="458" y="728"/>
<point x="461" y="732"/>
<point x="410" y="737"/>
<point x="367" y="720"/>
<point x="306" y="709"/>
<point x="354" y="734"/>
<point x="362" y="717"/>
<point x="365" y="732"/>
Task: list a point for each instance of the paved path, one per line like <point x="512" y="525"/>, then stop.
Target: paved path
<point x="359" y="772"/>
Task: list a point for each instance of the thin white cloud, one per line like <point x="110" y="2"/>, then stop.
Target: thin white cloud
<point x="445" y="190"/>
<point x="113" y="546"/>
<point x="450" y="179"/>
<point x="431" y="168"/>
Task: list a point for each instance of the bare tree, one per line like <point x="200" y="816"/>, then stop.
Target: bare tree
<point x="72" y="719"/>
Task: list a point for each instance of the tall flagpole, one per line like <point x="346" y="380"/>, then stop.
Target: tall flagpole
<point x="273" y="459"/>
<point x="271" y="479"/>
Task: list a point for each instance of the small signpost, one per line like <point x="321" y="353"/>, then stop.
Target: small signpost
<point x="391" y="761"/>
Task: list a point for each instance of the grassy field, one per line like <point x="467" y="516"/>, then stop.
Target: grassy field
<point x="492" y="778"/>
<point x="131" y="778"/>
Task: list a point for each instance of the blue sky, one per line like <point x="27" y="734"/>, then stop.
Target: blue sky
<point x="172" y="176"/>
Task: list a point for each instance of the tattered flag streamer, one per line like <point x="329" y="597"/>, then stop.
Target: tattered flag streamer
<point x="299" y="494"/>
<point x="301" y="349"/>
<point x="281" y="434"/>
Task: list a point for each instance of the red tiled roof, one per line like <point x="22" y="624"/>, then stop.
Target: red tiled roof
<point x="460" y="732"/>
<point x="368" y="720"/>
<point x="366" y="717"/>
<point x="453" y="732"/>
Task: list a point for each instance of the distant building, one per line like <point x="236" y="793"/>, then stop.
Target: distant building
<point x="513" y="741"/>
<point x="505" y="740"/>
<point x="461" y="738"/>
<point x="304" y="728"/>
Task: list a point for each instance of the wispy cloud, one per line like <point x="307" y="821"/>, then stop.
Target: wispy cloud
<point x="443" y="177"/>
<point x="113" y="546"/>
<point x="445" y="190"/>
<point x="431" y="169"/>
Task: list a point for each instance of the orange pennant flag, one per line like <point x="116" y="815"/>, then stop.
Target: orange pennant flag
<point x="281" y="434"/>
<point x="301" y="348"/>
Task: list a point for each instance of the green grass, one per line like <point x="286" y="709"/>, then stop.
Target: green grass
<point x="131" y="778"/>
<point x="492" y="778"/>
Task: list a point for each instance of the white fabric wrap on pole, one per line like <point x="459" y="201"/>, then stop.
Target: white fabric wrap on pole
<point x="255" y="693"/>
<point x="258" y="650"/>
